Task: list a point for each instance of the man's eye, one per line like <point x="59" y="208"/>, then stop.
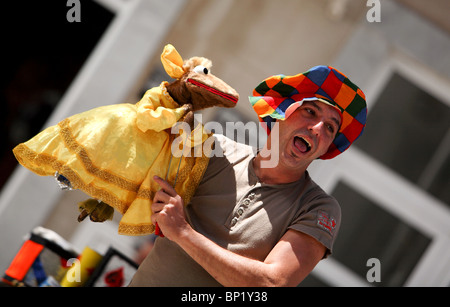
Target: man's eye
<point x="310" y="111"/>
<point x="331" y="128"/>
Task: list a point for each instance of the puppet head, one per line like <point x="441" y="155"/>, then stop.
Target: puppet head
<point x="194" y="82"/>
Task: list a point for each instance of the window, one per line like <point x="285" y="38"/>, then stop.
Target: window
<point x="368" y="231"/>
<point x="408" y="130"/>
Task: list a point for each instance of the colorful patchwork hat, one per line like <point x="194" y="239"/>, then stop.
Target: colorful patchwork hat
<point x="272" y="98"/>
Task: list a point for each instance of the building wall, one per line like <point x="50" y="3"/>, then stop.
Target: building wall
<point x="247" y="42"/>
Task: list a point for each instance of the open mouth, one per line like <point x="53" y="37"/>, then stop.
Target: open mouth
<point x="302" y="144"/>
<point x="214" y="91"/>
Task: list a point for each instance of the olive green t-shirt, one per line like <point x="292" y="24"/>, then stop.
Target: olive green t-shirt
<point x="239" y="213"/>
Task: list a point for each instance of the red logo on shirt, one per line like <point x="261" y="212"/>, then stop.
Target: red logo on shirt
<point x="325" y="221"/>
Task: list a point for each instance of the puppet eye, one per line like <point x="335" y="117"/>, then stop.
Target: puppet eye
<point x="201" y="69"/>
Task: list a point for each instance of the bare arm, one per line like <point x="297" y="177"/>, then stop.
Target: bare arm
<point x="289" y="262"/>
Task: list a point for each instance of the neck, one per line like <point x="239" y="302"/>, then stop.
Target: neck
<point x="178" y="92"/>
<point x="272" y="166"/>
<point x="274" y="174"/>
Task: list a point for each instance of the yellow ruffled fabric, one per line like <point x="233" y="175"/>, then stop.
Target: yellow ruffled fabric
<point x="172" y="62"/>
<point x="112" y="153"/>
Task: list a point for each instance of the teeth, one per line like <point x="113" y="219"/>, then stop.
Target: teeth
<point x="309" y="145"/>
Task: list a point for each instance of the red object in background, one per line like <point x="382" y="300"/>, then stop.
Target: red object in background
<point x="115" y="278"/>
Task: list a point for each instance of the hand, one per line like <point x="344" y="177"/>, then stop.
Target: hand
<point x="168" y="211"/>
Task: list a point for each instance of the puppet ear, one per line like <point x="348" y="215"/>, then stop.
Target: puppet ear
<point x="172" y="62"/>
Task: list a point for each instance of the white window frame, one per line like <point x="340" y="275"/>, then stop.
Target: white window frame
<point x="380" y="52"/>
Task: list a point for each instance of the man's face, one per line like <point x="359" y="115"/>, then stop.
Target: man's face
<point x="307" y="133"/>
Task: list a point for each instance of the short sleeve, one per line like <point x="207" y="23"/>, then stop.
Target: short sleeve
<point x="321" y="220"/>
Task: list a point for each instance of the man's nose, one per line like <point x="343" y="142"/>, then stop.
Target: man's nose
<point x="316" y="127"/>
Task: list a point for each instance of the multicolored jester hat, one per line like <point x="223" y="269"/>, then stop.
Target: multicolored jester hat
<point x="112" y="152"/>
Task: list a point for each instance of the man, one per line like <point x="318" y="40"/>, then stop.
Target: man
<point x="253" y="225"/>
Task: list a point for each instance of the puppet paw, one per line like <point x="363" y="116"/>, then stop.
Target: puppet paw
<point x="97" y="211"/>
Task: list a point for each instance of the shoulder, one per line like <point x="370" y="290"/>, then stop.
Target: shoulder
<point x="319" y="215"/>
<point x="225" y="157"/>
<point x="230" y="149"/>
<point x="316" y="198"/>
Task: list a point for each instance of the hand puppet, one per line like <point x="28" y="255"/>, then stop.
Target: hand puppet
<point x="112" y="152"/>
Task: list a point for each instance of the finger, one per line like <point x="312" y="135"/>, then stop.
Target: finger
<point x="157" y="207"/>
<point x="165" y="186"/>
<point x="161" y="197"/>
<point x="156" y="215"/>
<point x="153" y="218"/>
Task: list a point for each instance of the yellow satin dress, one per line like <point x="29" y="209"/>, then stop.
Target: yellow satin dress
<point x="112" y="153"/>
